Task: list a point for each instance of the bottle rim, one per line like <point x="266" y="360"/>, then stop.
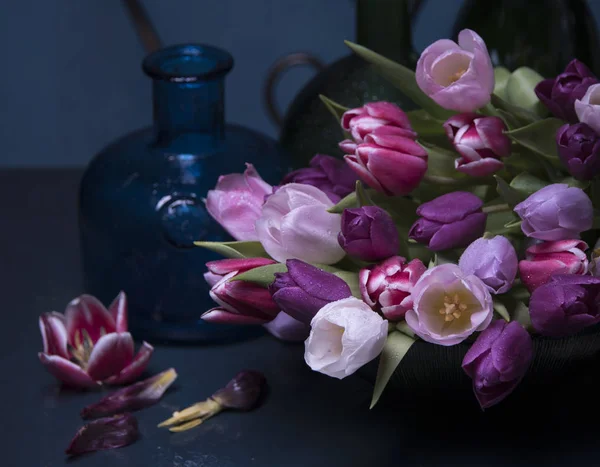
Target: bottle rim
<point x="187" y="63"/>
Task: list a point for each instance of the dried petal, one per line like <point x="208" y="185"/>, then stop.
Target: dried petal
<point x="135" y="397"/>
<point x="104" y="433"/>
<point x="242" y="393"/>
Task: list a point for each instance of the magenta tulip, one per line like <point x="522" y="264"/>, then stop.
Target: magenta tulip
<point x="236" y="202"/>
<point x="548" y="258"/>
<point x="387" y="287"/>
<point x="89" y="345"/>
<point x="383" y="117"/>
<point x="391" y="164"/>
<point x="457" y="76"/>
<point x="480" y="141"/>
<point x="240" y="302"/>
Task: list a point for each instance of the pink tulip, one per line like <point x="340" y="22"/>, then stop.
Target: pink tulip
<point x="387" y="286"/>
<point x="457" y="76"/>
<point x="549" y="258"/>
<point x="89" y="345"/>
<point x="385" y="117"/>
<point x="480" y="141"/>
<point x="389" y="163"/>
<point x="236" y="202"/>
<point x="240" y="302"/>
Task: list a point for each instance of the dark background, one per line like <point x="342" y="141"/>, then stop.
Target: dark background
<point x="71" y="79"/>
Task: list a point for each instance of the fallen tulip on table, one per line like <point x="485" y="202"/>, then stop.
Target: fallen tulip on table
<point x="89" y="345"/>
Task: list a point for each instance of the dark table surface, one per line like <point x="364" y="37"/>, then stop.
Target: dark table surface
<point x="308" y="419"/>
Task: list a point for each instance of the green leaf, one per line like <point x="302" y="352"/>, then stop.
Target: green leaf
<point x="521" y="315"/>
<point x="520" y="91"/>
<point x="501" y="310"/>
<point x="501" y="77"/>
<point x="350" y="278"/>
<point x="337" y="110"/>
<point x="263" y="275"/>
<point x="396" y="346"/>
<point x="425" y="125"/>
<point x="523" y="116"/>
<point x="508" y="193"/>
<point x="510" y="120"/>
<point x="573" y="182"/>
<point x="539" y="137"/>
<point x="421" y="252"/>
<point x="405" y="329"/>
<point x="236" y="249"/>
<point x="402" y="78"/>
<point x="362" y="196"/>
<point x="348" y="202"/>
<point x="527" y="184"/>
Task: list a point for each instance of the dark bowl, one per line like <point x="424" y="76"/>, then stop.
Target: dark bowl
<point x="432" y="375"/>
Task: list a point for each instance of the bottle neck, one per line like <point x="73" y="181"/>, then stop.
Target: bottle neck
<point x="189" y="115"/>
<point x="384" y="27"/>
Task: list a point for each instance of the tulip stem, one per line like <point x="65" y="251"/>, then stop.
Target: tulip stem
<point x="497" y="208"/>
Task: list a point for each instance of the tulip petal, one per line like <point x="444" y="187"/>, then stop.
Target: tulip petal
<point x="355" y="163"/>
<point x="286" y="328"/>
<point x="460" y="233"/>
<point x="398" y="173"/>
<point x="110" y="355"/>
<point x="67" y="372"/>
<point x="54" y="334"/>
<point x="105" y="433"/>
<point x="316" y="282"/>
<point x="135" y="369"/>
<point x="118" y="310"/>
<point x="226" y="266"/>
<point x="86" y="313"/>
<point x="480" y="168"/>
<point x="222" y="316"/>
<point x="450" y="207"/>
<point x="310" y="233"/>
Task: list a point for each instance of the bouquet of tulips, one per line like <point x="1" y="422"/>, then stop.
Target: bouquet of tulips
<point x="467" y="220"/>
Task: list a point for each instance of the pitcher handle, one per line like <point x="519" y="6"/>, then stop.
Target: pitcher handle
<point x="274" y="75"/>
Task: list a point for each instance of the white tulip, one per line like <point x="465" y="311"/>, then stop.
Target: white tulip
<point x="345" y="335"/>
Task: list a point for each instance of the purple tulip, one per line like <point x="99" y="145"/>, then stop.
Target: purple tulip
<point x="329" y="174"/>
<point x="556" y="212"/>
<point x="493" y="260"/>
<point x="304" y="289"/>
<point x="545" y="259"/>
<point x="387" y="287"/>
<point x="559" y="94"/>
<point x="240" y="302"/>
<point x="449" y="221"/>
<point x="480" y="141"/>
<point x="368" y="233"/>
<point x="457" y="76"/>
<point x="498" y="360"/>
<point x="579" y="149"/>
<point x="565" y="305"/>
<point x="286" y="328"/>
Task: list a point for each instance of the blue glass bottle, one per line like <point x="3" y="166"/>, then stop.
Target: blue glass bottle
<point x="141" y="199"/>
